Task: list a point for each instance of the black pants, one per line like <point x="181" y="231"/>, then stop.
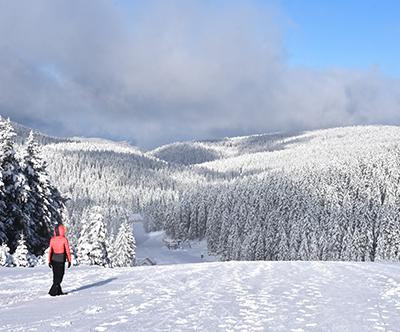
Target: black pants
<point x="58" y="274"/>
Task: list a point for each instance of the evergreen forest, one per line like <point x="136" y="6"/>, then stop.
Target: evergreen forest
<point x="318" y="195"/>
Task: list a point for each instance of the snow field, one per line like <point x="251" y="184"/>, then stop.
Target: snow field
<point x="230" y="296"/>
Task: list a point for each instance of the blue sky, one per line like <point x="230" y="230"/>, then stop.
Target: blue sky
<point x="160" y="71"/>
<point x="353" y="33"/>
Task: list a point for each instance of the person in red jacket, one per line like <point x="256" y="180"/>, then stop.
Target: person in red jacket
<point x="59" y="253"/>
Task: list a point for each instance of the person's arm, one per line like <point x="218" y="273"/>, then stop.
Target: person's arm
<point x="51" y="250"/>
<point x="67" y="251"/>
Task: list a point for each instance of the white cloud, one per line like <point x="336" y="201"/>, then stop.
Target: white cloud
<point x="160" y="71"/>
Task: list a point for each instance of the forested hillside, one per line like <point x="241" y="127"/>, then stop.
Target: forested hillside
<point x="318" y="195"/>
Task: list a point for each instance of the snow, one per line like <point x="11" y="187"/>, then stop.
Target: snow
<point x="184" y="292"/>
<point x="151" y="245"/>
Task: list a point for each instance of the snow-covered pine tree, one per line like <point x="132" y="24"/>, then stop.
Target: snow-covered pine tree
<point x="295" y="239"/>
<point x="304" y="251"/>
<point x="15" y="187"/>
<point x="21" y="256"/>
<point x="388" y="246"/>
<point x="282" y="244"/>
<point x="214" y="224"/>
<point x="5" y="257"/>
<point x="248" y="251"/>
<point x="363" y="237"/>
<point x="44" y="203"/>
<point x="172" y="218"/>
<point x="92" y="246"/>
<point x="3" y="236"/>
<point x="226" y="222"/>
<point x="270" y="233"/>
<point x="184" y="226"/>
<point x="234" y="245"/>
<point x="202" y="218"/>
<point x="124" y="247"/>
<point x="193" y="231"/>
<point x="110" y="243"/>
<point x="260" y="247"/>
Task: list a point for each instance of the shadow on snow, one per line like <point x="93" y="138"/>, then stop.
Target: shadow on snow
<point x="96" y="284"/>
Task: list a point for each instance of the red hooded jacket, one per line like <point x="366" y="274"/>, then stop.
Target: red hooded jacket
<point x="59" y="246"/>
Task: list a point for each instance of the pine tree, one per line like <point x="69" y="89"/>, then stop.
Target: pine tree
<point x="213" y="232"/>
<point x="223" y="248"/>
<point x="388" y="245"/>
<point x="5" y="257"/>
<point x="15" y="187"/>
<point x="124" y="248"/>
<point x="283" y="244"/>
<point x="202" y="219"/>
<point x="295" y="240"/>
<point x="234" y="244"/>
<point x="304" y="251"/>
<point x="248" y="251"/>
<point x="92" y="245"/>
<point x="110" y="243"/>
<point x="3" y="236"/>
<point x="193" y="231"/>
<point x="270" y="234"/>
<point x="22" y="257"/>
<point x="260" y="248"/>
<point x="43" y="202"/>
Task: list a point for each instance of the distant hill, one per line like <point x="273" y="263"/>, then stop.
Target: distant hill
<point x="42" y="139"/>
<point x="197" y="152"/>
<point x="318" y="195"/>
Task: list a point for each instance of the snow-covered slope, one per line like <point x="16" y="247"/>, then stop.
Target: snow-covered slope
<point x="152" y="246"/>
<point x="42" y="139"/>
<point x="230" y="296"/>
<point x="197" y="152"/>
<point x="210" y="296"/>
<point x="266" y="146"/>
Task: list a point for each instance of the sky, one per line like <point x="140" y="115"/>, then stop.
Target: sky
<point x="156" y="72"/>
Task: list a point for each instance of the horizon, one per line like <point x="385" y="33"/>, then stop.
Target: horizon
<point x="290" y="132"/>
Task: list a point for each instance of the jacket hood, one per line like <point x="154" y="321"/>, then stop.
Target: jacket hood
<point x="59" y="230"/>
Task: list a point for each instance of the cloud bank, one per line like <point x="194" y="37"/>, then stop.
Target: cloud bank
<point x="156" y="72"/>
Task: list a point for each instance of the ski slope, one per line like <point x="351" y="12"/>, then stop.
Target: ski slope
<point x="207" y="296"/>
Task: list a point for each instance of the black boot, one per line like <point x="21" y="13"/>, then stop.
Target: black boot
<point x="55" y="290"/>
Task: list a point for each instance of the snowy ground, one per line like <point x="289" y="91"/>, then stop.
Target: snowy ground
<point x="209" y="296"/>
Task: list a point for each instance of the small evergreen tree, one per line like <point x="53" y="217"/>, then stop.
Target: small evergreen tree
<point x="92" y="245"/>
<point x="22" y="257"/>
<point x="124" y="247"/>
<point x="5" y="257"/>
